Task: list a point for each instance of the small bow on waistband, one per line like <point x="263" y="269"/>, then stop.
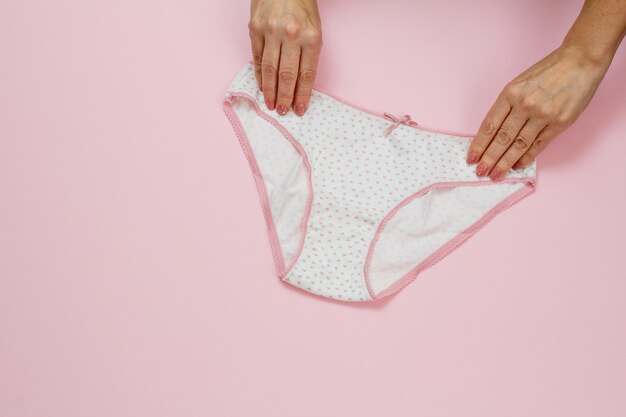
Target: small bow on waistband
<point x="406" y="119"/>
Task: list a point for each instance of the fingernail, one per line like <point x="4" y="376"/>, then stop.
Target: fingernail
<point x="517" y="165"/>
<point x="481" y="169"/>
<point x="281" y="110"/>
<point x="496" y="173"/>
<point x="472" y="157"/>
<point x="261" y="87"/>
<point x="300" y="109"/>
<point x="270" y="104"/>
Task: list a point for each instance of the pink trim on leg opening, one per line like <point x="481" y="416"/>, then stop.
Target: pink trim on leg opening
<point x="452" y="244"/>
<point x="281" y="270"/>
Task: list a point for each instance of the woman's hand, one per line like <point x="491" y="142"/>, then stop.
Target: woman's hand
<point x="533" y="109"/>
<point x="286" y="41"/>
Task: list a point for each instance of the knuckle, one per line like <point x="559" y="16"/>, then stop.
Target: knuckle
<point x="528" y="104"/>
<point x="287" y="75"/>
<point x="544" y="113"/>
<point x="503" y="136"/>
<point x="490" y="157"/>
<point x="561" y="119"/>
<point x="307" y="76"/>
<point x="257" y="58"/>
<point x="273" y="26"/>
<point x="302" y="98"/>
<point x="254" y="26"/>
<point x="268" y="70"/>
<point x="507" y="160"/>
<point x="511" y="92"/>
<point x="538" y="143"/>
<point x="488" y="127"/>
<point x="520" y="142"/>
<point x="312" y="37"/>
<point x="292" y="30"/>
<point x="284" y="96"/>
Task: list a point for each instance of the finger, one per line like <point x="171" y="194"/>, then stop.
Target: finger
<point x="269" y="70"/>
<point x="287" y="75"/>
<point x="501" y="142"/>
<point x="306" y="78"/>
<point x="522" y="143"/>
<point x="257" y="42"/>
<point x="488" y="128"/>
<point x="543" y="139"/>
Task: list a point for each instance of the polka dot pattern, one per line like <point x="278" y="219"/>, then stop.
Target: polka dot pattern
<point x="358" y="177"/>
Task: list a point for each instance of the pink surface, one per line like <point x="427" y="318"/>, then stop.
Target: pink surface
<point x="136" y="278"/>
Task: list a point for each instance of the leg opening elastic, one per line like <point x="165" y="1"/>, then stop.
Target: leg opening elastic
<point x="282" y="174"/>
<point x="427" y="226"/>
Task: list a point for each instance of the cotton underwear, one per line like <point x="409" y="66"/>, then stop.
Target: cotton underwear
<point x="357" y="203"/>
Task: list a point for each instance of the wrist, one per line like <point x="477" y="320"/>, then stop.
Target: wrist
<point x="589" y="55"/>
<point x="597" y="33"/>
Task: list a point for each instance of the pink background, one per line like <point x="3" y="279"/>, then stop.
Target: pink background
<point x="136" y="277"/>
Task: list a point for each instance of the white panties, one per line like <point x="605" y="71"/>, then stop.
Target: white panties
<point x="358" y="203"/>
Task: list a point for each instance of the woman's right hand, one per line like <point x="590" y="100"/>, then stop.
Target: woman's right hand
<point x="286" y="38"/>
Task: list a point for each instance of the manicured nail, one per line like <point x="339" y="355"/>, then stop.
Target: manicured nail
<point x="472" y="157"/>
<point x="300" y="109"/>
<point x="517" y="165"/>
<point x="496" y="173"/>
<point x="481" y="169"/>
<point x="270" y="104"/>
<point x="281" y="110"/>
<point x="261" y="87"/>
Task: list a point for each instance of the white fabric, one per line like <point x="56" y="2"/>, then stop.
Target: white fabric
<point x="284" y="175"/>
<point x="358" y="177"/>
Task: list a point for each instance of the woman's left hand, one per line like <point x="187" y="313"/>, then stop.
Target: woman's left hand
<point x="533" y="109"/>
